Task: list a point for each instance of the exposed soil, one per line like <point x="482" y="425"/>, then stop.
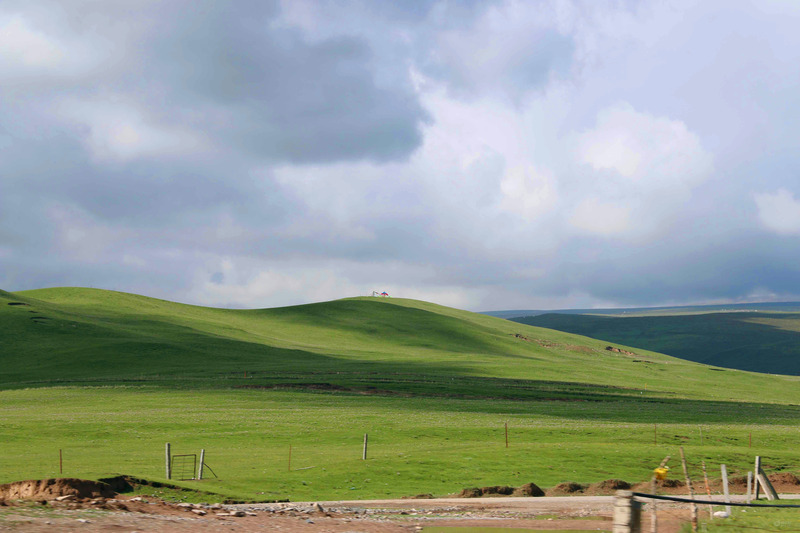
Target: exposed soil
<point x="526" y="490"/>
<point x="565" y="489"/>
<point x="50" y="489"/>
<point x="619" y="350"/>
<point x="68" y="504"/>
<point x="89" y="506"/>
<point x="529" y="489"/>
<point x="608" y="487"/>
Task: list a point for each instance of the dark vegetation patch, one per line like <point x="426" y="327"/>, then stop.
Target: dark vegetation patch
<point x="18" y="303"/>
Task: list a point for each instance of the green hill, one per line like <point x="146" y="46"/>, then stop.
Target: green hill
<point x="758" y="342"/>
<point x="88" y="336"/>
<point x="107" y="378"/>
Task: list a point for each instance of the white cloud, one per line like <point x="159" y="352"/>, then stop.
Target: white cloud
<point x="25" y="46"/>
<point x="644" y="148"/>
<point x="605" y="219"/>
<point x="528" y="192"/>
<point x="779" y="212"/>
<point x="30" y="51"/>
<point x="641" y="168"/>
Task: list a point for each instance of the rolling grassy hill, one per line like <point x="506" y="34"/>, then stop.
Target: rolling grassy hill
<point x="754" y="341"/>
<point x="89" y="336"/>
<point x="109" y="377"/>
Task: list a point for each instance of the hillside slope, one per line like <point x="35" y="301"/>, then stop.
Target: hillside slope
<point x="757" y="342"/>
<point x="89" y="336"/>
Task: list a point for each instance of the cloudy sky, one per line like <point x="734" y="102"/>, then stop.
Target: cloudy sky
<point x="484" y="155"/>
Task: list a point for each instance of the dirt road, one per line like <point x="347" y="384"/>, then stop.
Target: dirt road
<point x="122" y="514"/>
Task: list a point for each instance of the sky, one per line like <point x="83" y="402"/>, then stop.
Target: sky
<point x="484" y="155"/>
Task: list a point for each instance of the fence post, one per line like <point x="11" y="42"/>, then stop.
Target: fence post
<point x="627" y="513"/>
<point x="200" y="468"/>
<point x="169" y="463"/>
<point x="364" y="453"/>
<point x="755" y="473"/>
<point x="724" y="471"/>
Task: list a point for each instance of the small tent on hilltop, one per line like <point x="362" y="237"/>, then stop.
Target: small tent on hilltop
<point x="383" y="294"/>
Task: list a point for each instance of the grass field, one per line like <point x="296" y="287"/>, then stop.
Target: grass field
<point x="109" y="378"/>
<point x="754" y="341"/>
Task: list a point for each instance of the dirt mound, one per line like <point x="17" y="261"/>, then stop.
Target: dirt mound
<point x="665" y="486"/>
<point x="497" y="490"/>
<point x="609" y="486"/>
<point x="50" y="489"/>
<point x="562" y="489"/>
<point x="529" y="489"/>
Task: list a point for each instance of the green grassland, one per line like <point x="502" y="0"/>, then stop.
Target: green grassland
<point x="754" y="341"/>
<point x="109" y="378"/>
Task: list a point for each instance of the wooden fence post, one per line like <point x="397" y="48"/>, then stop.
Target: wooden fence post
<point x="169" y="463"/>
<point x="749" y="486"/>
<point x="764" y="481"/>
<point x="200" y="467"/>
<point x="755" y="473"/>
<point x="364" y="453"/>
<point x="627" y="513"/>
<point x="60" y="462"/>
<point x="724" y="471"/>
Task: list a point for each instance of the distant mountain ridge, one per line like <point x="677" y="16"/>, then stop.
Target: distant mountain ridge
<point x="767" y="342"/>
<point x="786" y="307"/>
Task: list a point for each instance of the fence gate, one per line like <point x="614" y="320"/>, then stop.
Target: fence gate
<point x="184" y="467"/>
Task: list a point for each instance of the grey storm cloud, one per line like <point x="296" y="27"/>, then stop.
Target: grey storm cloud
<point x="274" y="94"/>
<point x="481" y="154"/>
